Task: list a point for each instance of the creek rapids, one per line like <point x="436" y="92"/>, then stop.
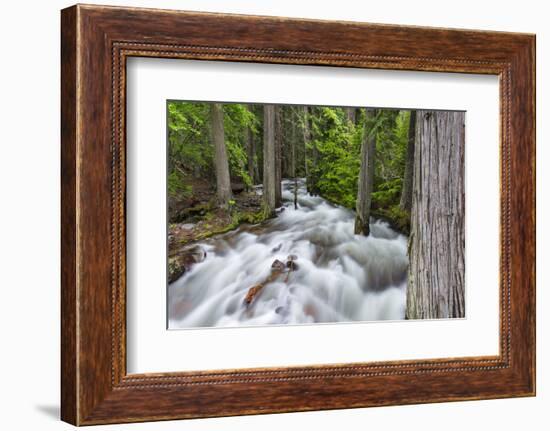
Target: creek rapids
<point x="339" y="276"/>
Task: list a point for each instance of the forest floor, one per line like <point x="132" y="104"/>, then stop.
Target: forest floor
<point x="197" y="217"/>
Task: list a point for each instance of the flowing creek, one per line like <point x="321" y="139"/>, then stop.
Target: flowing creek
<point x="338" y="276"/>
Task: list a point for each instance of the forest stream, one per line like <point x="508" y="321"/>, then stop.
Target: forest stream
<point x="330" y="275"/>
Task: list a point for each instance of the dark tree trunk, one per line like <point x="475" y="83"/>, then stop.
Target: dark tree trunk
<point x="285" y="138"/>
<point x="406" y="192"/>
<point x="313" y="186"/>
<point x="269" y="160"/>
<point x="436" y="243"/>
<point x="251" y="151"/>
<point x="223" y="182"/>
<point x="366" y="177"/>
<point x="292" y="161"/>
<point x="278" y="155"/>
<point x="350" y="114"/>
<point x="307" y="138"/>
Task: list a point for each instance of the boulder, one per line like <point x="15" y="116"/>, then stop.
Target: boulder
<point x="184" y="261"/>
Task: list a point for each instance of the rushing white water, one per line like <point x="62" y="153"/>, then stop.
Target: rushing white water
<point x="340" y="277"/>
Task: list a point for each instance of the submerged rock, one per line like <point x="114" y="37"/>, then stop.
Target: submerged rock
<point x="277" y="248"/>
<point x="290" y="264"/>
<point x="184" y="261"/>
<point x="278" y="265"/>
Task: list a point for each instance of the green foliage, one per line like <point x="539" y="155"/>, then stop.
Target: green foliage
<point x="337" y="143"/>
<point x="391" y="146"/>
<point x="331" y="157"/>
<point x="237" y="120"/>
<point x="399" y="219"/>
<point x="252" y="217"/>
<point x="387" y="194"/>
<point x="334" y="156"/>
<point x="188" y="137"/>
<point x="177" y="186"/>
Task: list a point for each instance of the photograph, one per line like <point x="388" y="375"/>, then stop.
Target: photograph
<point x="289" y="214"/>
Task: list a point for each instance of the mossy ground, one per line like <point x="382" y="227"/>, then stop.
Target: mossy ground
<point x="398" y="219"/>
<point x="206" y="221"/>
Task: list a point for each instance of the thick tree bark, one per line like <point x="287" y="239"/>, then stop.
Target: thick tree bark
<point x="251" y="151"/>
<point x="269" y="160"/>
<point x="436" y="243"/>
<point x="278" y="155"/>
<point x="366" y="177"/>
<point x="223" y="182"/>
<point x="406" y="191"/>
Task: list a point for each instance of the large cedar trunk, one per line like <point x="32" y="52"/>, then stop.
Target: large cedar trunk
<point x="269" y="159"/>
<point x="406" y="192"/>
<point x="223" y="182"/>
<point x="366" y="177"/>
<point x="436" y="243"/>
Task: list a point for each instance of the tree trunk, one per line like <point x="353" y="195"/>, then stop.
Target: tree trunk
<point x="269" y="160"/>
<point x="307" y="138"/>
<point x="284" y="141"/>
<point x="278" y="155"/>
<point x="313" y="179"/>
<point x="223" y="182"/>
<point x="350" y="114"/>
<point x="406" y="191"/>
<point x="366" y="177"/>
<point x="293" y="161"/>
<point x="251" y="151"/>
<point x="436" y="243"/>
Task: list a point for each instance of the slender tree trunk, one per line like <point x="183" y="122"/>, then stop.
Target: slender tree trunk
<point x="223" y="182"/>
<point x="269" y="160"/>
<point x="436" y="243"/>
<point x="307" y="138"/>
<point x="406" y="192"/>
<point x="293" y="161"/>
<point x="366" y="177"/>
<point x="313" y="178"/>
<point x="251" y="151"/>
<point x="284" y="142"/>
<point x="314" y="173"/>
<point x="350" y="114"/>
<point x="278" y="155"/>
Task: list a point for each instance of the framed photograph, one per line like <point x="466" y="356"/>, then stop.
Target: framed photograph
<point x="264" y="215"/>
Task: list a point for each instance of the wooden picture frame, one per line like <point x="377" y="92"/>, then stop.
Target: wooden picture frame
<point x="95" y="43"/>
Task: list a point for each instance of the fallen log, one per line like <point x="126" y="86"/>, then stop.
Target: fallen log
<point x="277" y="268"/>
